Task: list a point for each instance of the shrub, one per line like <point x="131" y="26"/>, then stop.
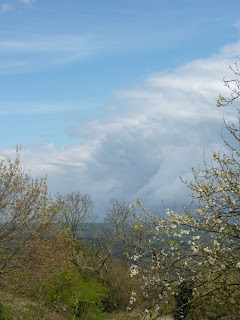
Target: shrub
<point x="4" y="314"/>
<point x="82" y="297"/>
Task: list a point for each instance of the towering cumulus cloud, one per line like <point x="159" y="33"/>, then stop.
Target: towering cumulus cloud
<point x="153" y="134"/>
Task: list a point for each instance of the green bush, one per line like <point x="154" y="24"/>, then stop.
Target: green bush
<point x="80" y="296"/>
<point x="4" y="313"/>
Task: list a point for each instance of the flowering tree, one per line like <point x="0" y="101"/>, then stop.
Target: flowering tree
<point x="195" y="256"/>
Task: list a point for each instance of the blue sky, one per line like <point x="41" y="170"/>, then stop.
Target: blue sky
<point x="115" y="98"/>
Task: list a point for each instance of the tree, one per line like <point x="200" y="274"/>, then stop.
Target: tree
<point x="118" y="218"/>
<point x="27" y="214"/>
<point x="76" y="209"/>
<point x="202" y="245"/>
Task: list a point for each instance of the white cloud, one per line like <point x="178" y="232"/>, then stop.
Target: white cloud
<point x="47" y="44"/>
<point x="34" y="108"/>
<point x="237" y="25"/>
<point x="6" y="7"/>
<point x="28" y="2"/>
<point x="154" y="134"/>
<point x="36" y="52"/>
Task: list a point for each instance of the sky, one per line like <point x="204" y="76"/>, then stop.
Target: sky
<point x="115" y="98"/>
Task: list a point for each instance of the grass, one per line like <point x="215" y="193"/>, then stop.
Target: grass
<point x="16" y="307"/>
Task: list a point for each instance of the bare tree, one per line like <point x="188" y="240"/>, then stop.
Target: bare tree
<point x="113" y="239"/>
<point x="77" y="209"/>
<point x="118" y="216"/>
<point x="121" y="223"/>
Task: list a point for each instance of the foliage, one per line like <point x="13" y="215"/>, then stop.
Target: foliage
<point x="4" y="313"/>
<point x="119" y="284"/>
<point x="27" y="215"/>
<point x="69" y="289"/>
<point x="183" y="296"/>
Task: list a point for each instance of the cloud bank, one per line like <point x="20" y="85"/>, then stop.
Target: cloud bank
<point x="153" y="134"/>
